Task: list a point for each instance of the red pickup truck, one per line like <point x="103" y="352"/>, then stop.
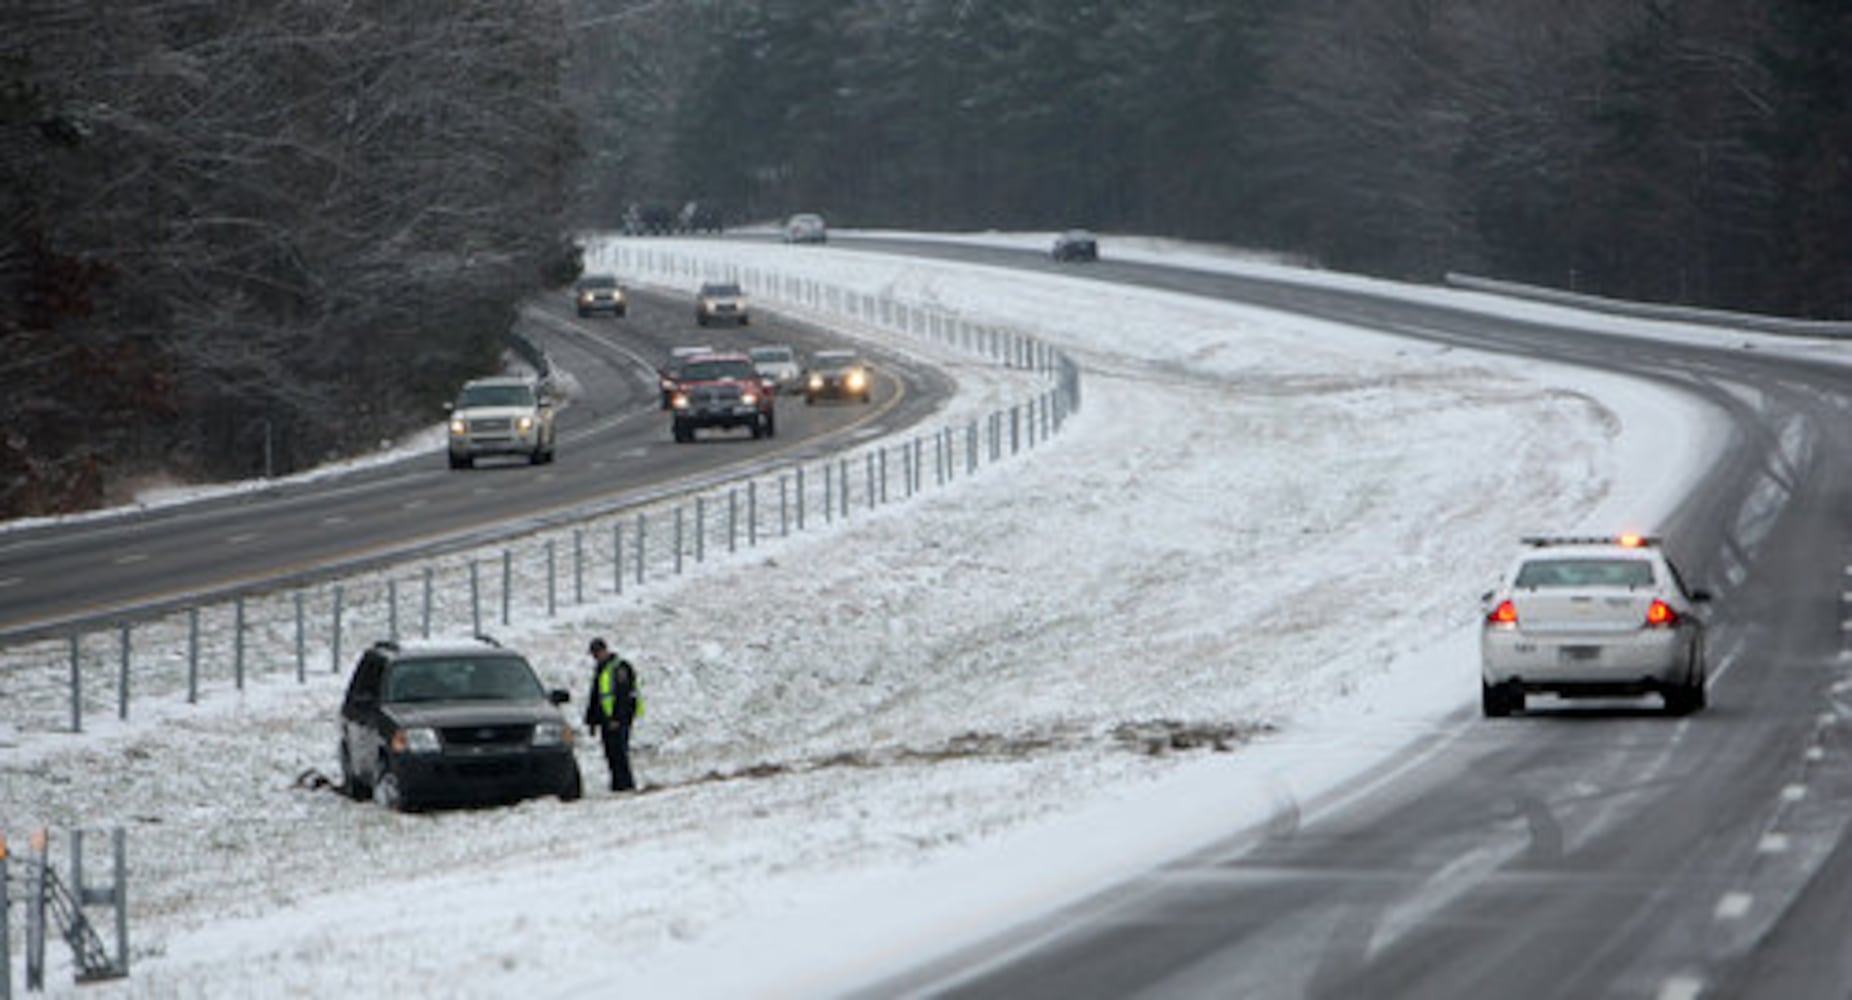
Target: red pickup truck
<point x="720" y="390"/>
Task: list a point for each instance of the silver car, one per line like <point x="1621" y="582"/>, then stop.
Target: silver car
<point x="1586" y="617"/>
<point x="777" y="365"/>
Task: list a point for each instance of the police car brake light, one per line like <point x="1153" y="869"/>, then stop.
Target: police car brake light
<point x="1505" y="614"/>
<point x="1659" y="614"/>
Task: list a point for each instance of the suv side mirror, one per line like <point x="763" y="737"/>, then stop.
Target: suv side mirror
<point x="559" y="696"/>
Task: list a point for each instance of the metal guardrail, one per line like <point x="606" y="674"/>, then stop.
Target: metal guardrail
<point x="1657" y="311"/>
<point x="51" y="685"/>
<point x="51" y="901"/>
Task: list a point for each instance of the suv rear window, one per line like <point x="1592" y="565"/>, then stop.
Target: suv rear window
<point x="1585" y="572"/>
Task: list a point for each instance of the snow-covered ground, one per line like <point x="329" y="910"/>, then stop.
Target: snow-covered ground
<point x="1248" y="568"/>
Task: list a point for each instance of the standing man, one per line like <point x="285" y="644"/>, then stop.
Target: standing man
<point x="611" y="709"/>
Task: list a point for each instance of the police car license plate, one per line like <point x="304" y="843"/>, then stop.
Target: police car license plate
<point x="1578" y="654"/>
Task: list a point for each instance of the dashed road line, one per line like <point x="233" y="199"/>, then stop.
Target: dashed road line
<point x="1682" y="988"/>
<point x="1733" y="906"/>
<point x="129" y="558"/>
<point x="241" y="538"/>
<point x="1773" y="843"/>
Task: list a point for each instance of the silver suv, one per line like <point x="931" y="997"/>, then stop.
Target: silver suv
<point x="506" y="415"/>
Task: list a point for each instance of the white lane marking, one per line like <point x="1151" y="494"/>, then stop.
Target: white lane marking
<point x="1682" y="988"/>
<point x="1734" y="906"/>
<point x="1794" y="793"/>
<point x="1773" y="843"/>
<point x="12" y="581"/>
<point x="415" y="504"/>
<point x="335" y="519"/>
<point x="1816" y="754"/>
<point x="130" y="557"/>
<point x="240" y="539"/>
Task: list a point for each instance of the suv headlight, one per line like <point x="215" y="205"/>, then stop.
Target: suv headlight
<point x="524" y="424"/>
<point x="459" y="426"/>
<point x="417" y="739"/>
<point x="551" y="734"/>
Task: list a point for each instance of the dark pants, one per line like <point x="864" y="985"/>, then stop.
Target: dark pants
<point x="616" y="733"/>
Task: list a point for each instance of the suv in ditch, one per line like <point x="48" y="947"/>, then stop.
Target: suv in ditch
<point x="505" y="415"/>
<point x="458" y="722"/>
<point x="720" y="390"/>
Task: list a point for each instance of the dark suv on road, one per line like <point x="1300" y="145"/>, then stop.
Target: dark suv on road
<point x="453" y="723"/>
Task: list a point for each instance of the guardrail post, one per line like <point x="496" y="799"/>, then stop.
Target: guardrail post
<point x="800" y="498"/>
<point x="869" y="462"/>
<point x="642" y="548"/>
<point x="578" y="566"/>
<point x="77" y="686"/>
<point x="678" y="540"/>
<point x="829" y="492"/>
<point x="700" y="529"/>
<point x="752" y="513"/>
<point x="334" y="643"/>
<point x="617" y="557"/>
<point x="475" y="597"/>
<point x="507" y="586"/>
<point x="424" y="628"/>
<point x="733" y="497"/>
<point x="302" y="654"/>
<point x="392" y="609"/>
<point x="842" y="485"/>
<point x="122" y="676"/>
<point x="552" y="579"/>
<point x="6" y="927"/>
<point x="238" y="641"/>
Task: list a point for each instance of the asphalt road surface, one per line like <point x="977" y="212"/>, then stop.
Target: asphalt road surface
<point x="1583" y="849"/>
<point x="614" y="449"/>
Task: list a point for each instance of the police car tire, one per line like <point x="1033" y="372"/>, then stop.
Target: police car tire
<point x="386" y="790"/>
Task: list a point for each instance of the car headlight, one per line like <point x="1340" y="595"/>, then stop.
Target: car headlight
<point x="749" y="399"/>
<point x="816" y="381"/>
<point x="418" y="739"/>
<point x="524" y="424"/>
<point x="679" y="401"/>
<point x="857" y="380"/>
<point x="551" y="734"/>
<point x="585" y="298"/>
<point x="459" y="426"/>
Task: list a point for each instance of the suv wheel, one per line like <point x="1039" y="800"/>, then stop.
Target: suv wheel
<point x="461" y="461"/>
<point x="386" y="790"/>
<point x="683" y="433"/>
<point x="574" y="788"/>
<point x="771" y="425"/>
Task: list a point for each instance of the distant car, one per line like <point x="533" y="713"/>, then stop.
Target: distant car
<point x="806" y="227"/>
<point x="649" y="219"/>
<point x="464" y="722"/>
<point x="1590" y="617"/>
<point x="721" y="302"/>
<point x="721" y="391"/>
<point x="503" y="415"/>
<point x="778" y="365"/>
<point x="669" y="376"/>
<point x="699" y="217"/>
<point x="599" y="293"/>
<point x="1076" y="245"/>
<point x="837" y="375"/>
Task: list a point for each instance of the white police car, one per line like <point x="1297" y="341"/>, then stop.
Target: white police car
<point x="1583" y="617"/>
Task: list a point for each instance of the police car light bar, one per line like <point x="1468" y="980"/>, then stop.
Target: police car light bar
<point x="1629" y="540"/>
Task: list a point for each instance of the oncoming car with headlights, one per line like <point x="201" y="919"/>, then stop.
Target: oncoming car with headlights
<point x="837" y="375"/>
<point x="504" y="415"/>
<point x="459" y="722"/>
<point x="1583" y="617"/>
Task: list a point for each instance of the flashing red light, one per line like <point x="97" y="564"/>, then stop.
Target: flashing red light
<point x="1659" y="614"/>
<point x="1505" y="614"/>
<point x="1631" y="541"/>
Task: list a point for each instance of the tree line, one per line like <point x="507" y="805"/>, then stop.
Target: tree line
<point x="239" y="237"/>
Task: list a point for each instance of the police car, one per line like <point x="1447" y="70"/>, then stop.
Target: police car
<point x="1582" y="617"/>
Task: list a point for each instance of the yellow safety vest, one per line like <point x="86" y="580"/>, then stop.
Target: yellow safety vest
<point x="607" y="689"/>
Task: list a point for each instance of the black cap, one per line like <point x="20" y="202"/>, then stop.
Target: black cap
<point x="598" y="646"/>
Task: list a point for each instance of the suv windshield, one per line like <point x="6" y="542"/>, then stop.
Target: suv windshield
<point x="714" y="369"/>
<point x="495" y="395"/>
<point x="833" y="362"/>
<point x="599" y="281"/>
<point x="771" y="354"/>
<point x="721" y="290"/>
<point x="499" y="678"/>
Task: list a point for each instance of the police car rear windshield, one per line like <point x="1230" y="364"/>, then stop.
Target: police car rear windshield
<point x="1585" y="572"/>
